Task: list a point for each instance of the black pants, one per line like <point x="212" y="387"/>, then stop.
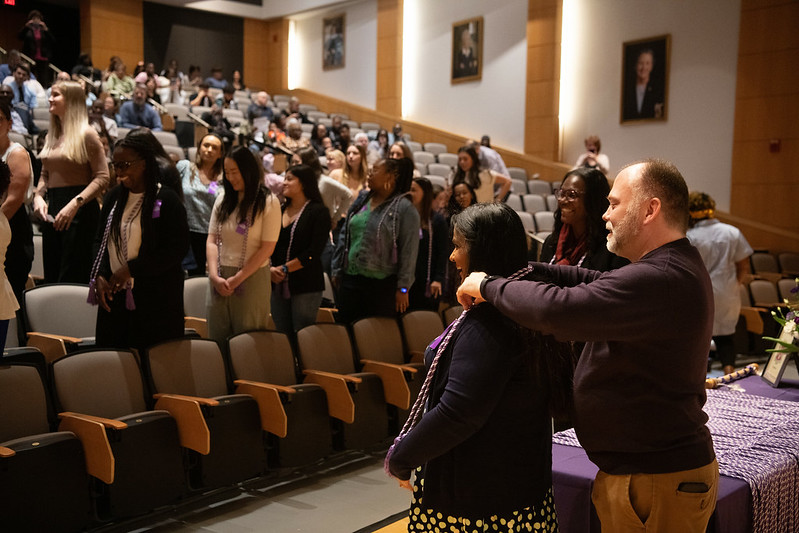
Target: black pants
<point x="361" y="297"/>
<point x="197" y="242"/>
<point x="19" y="255"/>
<point x="68" y="255"/>
<point x="725" y="349"/>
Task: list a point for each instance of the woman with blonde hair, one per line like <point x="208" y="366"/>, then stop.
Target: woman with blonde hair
<point x="354" y="173"/>
<point x="74" y="174"/>
<point x="202" y="180"/>
<point x="335" y="160"/>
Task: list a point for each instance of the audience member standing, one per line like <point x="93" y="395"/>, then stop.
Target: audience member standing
<point x="355" y="171"/>
<point x="297" y="275"/>
<point x="19" y="253"/>
<point x="482" y="180"/>
<point x="638" y="419"/>
<point x="431" y="262"/>
<point x="137" y="277"/>
<point x="489" y="158"/>
<point x="725" y="252"/>
<point x="8" y="302"/>
<point x="592" y="158"/>
<point x="138" y="112"/>
<point x="244" y="228"/>
<point x="375" y="257"/>
<point x="202" y="181"/>
<point x="38" y="44"/>
<point x="74" y="174"/>
<point x="579" y="236"/>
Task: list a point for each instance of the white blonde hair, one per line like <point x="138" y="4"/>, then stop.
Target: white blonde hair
<point x="71" y="129"/>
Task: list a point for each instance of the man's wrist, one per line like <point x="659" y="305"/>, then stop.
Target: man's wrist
<point x="483" y="284"/>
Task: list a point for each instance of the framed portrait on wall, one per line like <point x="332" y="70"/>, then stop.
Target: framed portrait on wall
<point x="333" y="42"/>
<point x="467" y="50"/>
<point x="645" y="79"/>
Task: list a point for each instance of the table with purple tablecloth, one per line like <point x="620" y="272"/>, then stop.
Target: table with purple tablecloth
<point x="573" y="477"/>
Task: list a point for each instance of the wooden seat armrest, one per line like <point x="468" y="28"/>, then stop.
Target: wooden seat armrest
<point x="345" y="377"/>
<point x="417" y="357"/>
<point x="404" y="367"/>
<point x="93" y="437"/>
<point x="210" y="402"/>
<point x="107" y="423"/>
<point x="279" y="388"/>
<point x="339" y="400"/>
<point x="192" y="428"/>
<point x="7" y="452"/>
<point x="395" y="387"/>
<point x="273" y="414"/>
<point x="754" y="320"/>
<point x="52" y="346"/>
<point x="65" y="338"/>
<point x="200" y="325"/>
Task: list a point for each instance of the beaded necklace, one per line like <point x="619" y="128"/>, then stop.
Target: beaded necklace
<point x="284" y="285"/>
<point x="421" y="400"/>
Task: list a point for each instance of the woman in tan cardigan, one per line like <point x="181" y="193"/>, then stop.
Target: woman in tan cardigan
<point x="74" y="174"/>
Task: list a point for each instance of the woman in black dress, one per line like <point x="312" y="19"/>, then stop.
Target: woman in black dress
<point x="137" y="276"/>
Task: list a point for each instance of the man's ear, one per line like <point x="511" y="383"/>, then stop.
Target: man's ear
<point x="653" y="208"/>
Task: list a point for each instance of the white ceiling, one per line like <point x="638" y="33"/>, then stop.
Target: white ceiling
<point x="268" y="10"/>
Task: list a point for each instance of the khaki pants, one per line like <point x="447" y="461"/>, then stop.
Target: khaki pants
<point x="245" y="310"/>
<point x="655" y="503"/>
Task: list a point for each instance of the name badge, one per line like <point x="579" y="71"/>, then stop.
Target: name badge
<point x="241" y="229"/>
<point x="213" y="187"/>
<point x="157" y="209"/>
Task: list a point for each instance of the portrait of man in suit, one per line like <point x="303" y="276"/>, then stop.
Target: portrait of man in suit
<point x="467" y="50"/>
<point x="644" y="80"/>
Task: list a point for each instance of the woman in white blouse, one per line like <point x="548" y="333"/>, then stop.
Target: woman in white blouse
<point x="244" y="228"/>
<point x="8" y="303"/>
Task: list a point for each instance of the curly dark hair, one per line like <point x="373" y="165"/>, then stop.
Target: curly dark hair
<point x="596" y="203"/>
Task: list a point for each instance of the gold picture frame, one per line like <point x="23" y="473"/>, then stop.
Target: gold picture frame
<point x="467" y="50"/>
<point x="333" y="42"/>
<point x="645" y="79"/>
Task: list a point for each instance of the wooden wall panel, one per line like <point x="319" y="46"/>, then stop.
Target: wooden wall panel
<point x="765" y="182"/>
<point x="112" y="28"/>
<point x="266" y="54"/>
<point x="541" y="136"/>
<point x="389" y="56"/>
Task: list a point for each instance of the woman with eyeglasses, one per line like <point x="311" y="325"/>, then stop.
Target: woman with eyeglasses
<point x="244" y="228"/>
<point x="74" y="174"/>
<point x="579" y="236"/>
<point x="137" y="277"/>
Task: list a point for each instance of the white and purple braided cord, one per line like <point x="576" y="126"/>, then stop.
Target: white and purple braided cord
<point x="421" y="400"/>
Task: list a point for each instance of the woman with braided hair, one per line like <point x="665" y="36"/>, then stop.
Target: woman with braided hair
<point x="482" y="448"/>
<point x="375" y="257"/>
<point x="137" y="277"/>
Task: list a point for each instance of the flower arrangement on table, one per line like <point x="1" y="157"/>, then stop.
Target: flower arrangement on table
<point x="788" y="320"/>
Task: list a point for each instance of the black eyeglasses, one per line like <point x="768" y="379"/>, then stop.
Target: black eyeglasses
<point x="123" y="165"/>
<point x="568" y="194"/>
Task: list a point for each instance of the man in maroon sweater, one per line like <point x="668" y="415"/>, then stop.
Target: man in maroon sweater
<point x="639" y="382"/>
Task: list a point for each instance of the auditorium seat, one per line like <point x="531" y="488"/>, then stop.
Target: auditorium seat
<point x="764" y="293"/>
<point x="518" y="186"/>
<point x="518" y="173"/>
<point x="370" y="127"/>
<point x="451" y="313"/>
<point x="316" y="115"/>
<point x="226" y="444"/>
<point x="176" y="151"/>
<point x="435" y="148"/>
<point x="419" y="329"/>
<point x="785" y="286"/>
<point x="305" y="108"/>
<point x="515" y="202"/>
<point x="424" y="157"/>
<point x="544" y="221"/>
<point x="448" y="159"/>
<point x="765" y="265"/>
<point x="378" y="342"/>
<point x="356" y="400"/>
<point x="527" y="221"/>
<point x="58" y="319"/>
<point x="106" y="386"/>
<point x="179" y="111"/>
<point x="436" y="180"/>
<point x="421" y="167"/>
<point x="544" y="188"/>
<point x="300" y="427"/>
<point x="534" y="203"/>
<point x="439" y="169"/>
<point x="789" y="263"/>
<point x="44" y="485"/>
<point x="552" y="202"/>
<point x="195" y="290"/>
<point x="413" y="145"/>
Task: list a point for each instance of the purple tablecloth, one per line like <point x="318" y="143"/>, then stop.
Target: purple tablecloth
<point x="573" y="478"/>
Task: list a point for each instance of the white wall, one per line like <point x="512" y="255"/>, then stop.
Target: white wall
<point x="493" y="105"/>
<point x="356" y="82"/>
<point x="698" y="133"/>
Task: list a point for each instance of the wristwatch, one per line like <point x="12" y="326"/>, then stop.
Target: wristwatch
<point x="285" y="269"/>
<point x="79" y="200"/>
<point x="403" y="290"/>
